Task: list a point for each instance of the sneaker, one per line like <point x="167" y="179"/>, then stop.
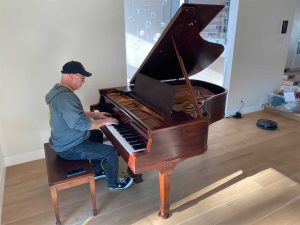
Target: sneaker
<point x="123" y="183"/>
<point x="99" y="174"/>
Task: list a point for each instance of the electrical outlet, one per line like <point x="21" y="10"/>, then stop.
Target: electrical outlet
<point x="240" y="106"/>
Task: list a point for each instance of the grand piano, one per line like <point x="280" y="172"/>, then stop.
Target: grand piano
<point x="163" y="115"/>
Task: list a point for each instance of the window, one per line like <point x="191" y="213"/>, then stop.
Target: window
<point x="145" y="21"/>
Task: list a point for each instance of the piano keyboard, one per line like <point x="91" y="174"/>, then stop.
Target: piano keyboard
<point x="128" y="137"/>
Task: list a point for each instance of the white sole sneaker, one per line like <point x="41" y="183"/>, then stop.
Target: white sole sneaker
<point x="120" y="187"/>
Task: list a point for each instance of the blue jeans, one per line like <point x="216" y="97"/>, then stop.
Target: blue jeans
<point x="97" y="153"/>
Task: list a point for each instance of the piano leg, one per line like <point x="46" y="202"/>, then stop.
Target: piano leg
<point x="164" y="187"/>
<point x="165" y="173"/>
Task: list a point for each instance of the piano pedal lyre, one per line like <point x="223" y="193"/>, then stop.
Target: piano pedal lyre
<point x="137" y="178"/>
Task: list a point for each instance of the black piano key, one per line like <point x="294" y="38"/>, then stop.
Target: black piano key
<point x="132" y="138"/>
<point x="127" y="132"/>
<point x="118" y="127"/>
<point x="124" y="128"/>
<point x="129" y="135"/>
<point x="137" y="147"/>
<point x="121" y="128"/>
<point x="136" y="141"/>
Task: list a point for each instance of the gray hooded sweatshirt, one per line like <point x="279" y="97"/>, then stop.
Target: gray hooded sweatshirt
<point x="69" y="124"/>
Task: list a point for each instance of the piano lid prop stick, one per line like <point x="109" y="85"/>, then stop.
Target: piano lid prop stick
<point x="187" y="80"/>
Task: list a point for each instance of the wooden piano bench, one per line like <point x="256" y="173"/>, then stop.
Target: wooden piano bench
<point x="57" y="177"/>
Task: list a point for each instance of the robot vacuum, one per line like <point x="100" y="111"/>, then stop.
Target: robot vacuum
<point x="266" y="124"/>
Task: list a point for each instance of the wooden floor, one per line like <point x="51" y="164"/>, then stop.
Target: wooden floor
<point x="247" y="176"/>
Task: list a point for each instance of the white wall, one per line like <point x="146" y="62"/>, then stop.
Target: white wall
<point x="297" y="10"/>
<point x="259" y="51"/>
<point x="37" y="38"/>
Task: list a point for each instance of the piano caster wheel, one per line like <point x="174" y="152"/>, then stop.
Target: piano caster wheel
<point x="164" y="217"/>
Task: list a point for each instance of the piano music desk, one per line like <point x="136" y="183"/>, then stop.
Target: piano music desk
<point x="58" y="180"/>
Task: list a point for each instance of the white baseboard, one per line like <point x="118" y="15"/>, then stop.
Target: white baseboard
<point x="2" y="182"/>
<point x="25" y="157"/>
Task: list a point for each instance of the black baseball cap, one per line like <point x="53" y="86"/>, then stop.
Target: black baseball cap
<point x="75" y="67"/>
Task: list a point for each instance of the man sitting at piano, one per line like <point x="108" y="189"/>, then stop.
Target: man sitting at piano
<point x="75" y="134"/>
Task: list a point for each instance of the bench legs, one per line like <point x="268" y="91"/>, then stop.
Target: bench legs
<point x="55" y="203"/>
<point x="55" y="188"/>
<point x="93" y="195"/>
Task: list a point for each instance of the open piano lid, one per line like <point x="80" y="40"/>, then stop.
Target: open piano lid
<point x="197" y="53"/>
